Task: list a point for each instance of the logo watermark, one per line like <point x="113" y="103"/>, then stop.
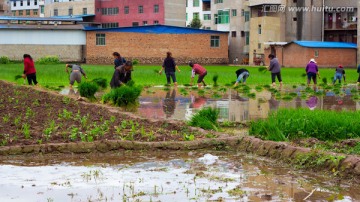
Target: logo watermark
<point x="327" y="9"/>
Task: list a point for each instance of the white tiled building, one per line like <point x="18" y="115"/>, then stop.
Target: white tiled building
<point x="33" y="8"/>
<point x="200" y="9"/>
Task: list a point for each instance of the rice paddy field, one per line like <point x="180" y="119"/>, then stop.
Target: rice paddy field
<point x="55" y="75"/>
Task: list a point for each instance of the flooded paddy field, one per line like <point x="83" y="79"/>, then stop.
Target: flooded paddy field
<point x="164" y="176"/>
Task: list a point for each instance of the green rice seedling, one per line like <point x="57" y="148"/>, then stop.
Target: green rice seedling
<point x="215" y="79"/>
<point x="17" y="77"/>
<point x="216" y="95"/>
<point x="201" y="92"/>
<point x="303" y="75"/>
<point x="65" y="114"/>
<point x="166" y="89"/>
<point x="194" y="88"/>
<point x="74" y="133"/>
<point x="205" y="118"/>
<point x="187" y="85"/>
<point x="302" y="84"/>
<point x="228" y="85"/>
<point x="29" y="113"/>
<point x="294" y="86"/>
<point x="251" y="95"/>
<point x="101" y="82"/>
<point x="26" y="130"/>
<point x="17" y="121"/>
<point x="88" y="89"/>
<point x="189" y="137"/>
<point x="324" y="80"/>
<point x="6" y="118"/>
<point x="223" y="90"/>
<point x="49" y="130"/>
<point x="259" y="88"/>
<point x="287" y="97"/>
<point x="123" y="96"/>
<point x="293" y="94"/>
<point x="354" y="91"/>
<point x="267" y="86"/>
<point x="262" y="69"/>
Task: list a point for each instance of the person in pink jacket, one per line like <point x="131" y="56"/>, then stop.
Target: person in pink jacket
<point x="200" y="70"/>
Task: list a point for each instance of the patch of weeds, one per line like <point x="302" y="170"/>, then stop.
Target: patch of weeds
<point x="88" y="89"/>
<point x="36" y="102"/>
<point x="205" y="118"/>
<point x="49" y="130"/>
<point x="66" y="100"/>
<point x="236" y="192"/>
<point x="124" y="95"/>
<point x="189" y="137"/>
<point x="210" y="135"/>
<point x="29" y="113"/>
<point x="5" y="139"/>
<point x="26" y="130"/>
<point x="6" y="118"/>
<point x="65" y="114"/>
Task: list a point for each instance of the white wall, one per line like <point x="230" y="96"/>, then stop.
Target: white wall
<point x="25" y="6"/>
<point x="43" y="37"/>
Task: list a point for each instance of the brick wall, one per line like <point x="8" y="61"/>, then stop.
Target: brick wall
<point x="297" y="56"/>
<point x="66" y="53"/>
<point x="152" y="48"/>
<point x="63" y="8"/>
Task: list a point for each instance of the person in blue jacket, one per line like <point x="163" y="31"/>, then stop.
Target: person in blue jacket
<point x="358" y="71"/>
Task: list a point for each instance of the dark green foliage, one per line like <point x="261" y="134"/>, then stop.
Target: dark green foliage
<point x="88" y="89"/>
<point x="101" y="82"/>
<point x="195" y="23"/>
<point x="4" y="60"/>
<point x="215" y="79"/>
<point x="124" y="95"/>
<point x="18" y="77"/>
<point x="135" y="62"/>
<point x="205" y="118"/>
<point x="324" y="80"/>
<point x="48" y="60"/>
<point x="262" y="69"/>
<point x="303" y="123"/>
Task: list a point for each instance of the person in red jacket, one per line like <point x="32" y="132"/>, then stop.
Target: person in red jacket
<point x="200" y="70"/>
<point x="29" y="70"/>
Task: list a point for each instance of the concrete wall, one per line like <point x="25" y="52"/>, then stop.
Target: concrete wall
<point x="175" y="12"/>
<point x="152" y="48"/>
<point x="63" y="7"/>
<point x="294" y="55"/>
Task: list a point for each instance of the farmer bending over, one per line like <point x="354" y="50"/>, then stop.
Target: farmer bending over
<point x="200" y="70"/>
<point x="241" y="74"/>
<point x="75" y="75"/>
<point x="121" y="75"/>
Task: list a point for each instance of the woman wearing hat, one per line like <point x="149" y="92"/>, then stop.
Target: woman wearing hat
<point x="312" y="72"/>
<point x="339" y="73"/>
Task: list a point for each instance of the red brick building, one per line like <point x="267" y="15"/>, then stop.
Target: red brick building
<point x="126" y="13"/>
<point x="326" y="54"/>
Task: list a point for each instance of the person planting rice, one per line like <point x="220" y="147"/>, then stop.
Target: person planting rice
<point x="275" y="69"/>
<point x="358" y="71"/>
<point x="339" y="74"/>
<point x="29" y="70"/>
<point x="200" y="70"/>
<point x="170" y="66"/>
<point x="121" y="75"/>
<point x="312" y="72"/>
<point x="118" y="60"/>
<point x="75" y="75"/>
<point x="241" y="75"/>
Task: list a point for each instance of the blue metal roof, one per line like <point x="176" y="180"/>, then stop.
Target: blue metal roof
<point x="325" y="44"/>
<point x="206" y="0"/>
<point x="74" y="16"/>
<point x="156" y="29"/>
<point x="71" y="19"/>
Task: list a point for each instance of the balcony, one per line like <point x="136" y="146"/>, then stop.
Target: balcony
<point x="264" y="2"/>
<point x="340" y="26"/>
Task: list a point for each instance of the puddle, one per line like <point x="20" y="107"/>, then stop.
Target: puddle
<point x="159" y="176"/>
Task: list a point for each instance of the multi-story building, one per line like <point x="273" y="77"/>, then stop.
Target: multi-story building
<point x="200" y="9"/>
<point x="27" y="8"/>
<point x="4" y="7"/>
<point x="115" y="13"/>
<point x="358" y="35"/>
<point x="69" y="7"/>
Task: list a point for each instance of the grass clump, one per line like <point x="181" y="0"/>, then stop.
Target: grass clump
<point x="88" y="89"/>
<point x="101" y="82"/>
<point x="124" y="95"/>
<point x="48" y="60"/>
<point x="206" y="119"/>
<point x="302" y="123"/>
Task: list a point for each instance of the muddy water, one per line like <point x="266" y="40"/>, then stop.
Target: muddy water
<point x="160" y="104"/>
<point x="163" y="176"/>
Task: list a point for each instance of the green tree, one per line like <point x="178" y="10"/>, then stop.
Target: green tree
<point x="195" y="23"/>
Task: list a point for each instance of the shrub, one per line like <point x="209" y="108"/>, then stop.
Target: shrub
<point x="304" y="123"/>
<point x="124" y="95"/>
<point x="48" y="60"/>
<point x="88" y="89"/>
<point x="101" y="82"/>
<point x="136" y="62"/>
<point x="206" y="119"/>
<point x="4" y="60"/>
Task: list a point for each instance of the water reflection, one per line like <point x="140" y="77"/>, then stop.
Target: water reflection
<point x="235" y="107"/>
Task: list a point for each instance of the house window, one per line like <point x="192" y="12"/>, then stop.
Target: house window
<point x="247" y="16"/>
<point x="35" y="12"/>
<point x="70" y="11"/>
<point x="196" y="3"/>
<point x="186" y="16"/>
<point x="247" y="38"/>
<point x="14" y="13"/>
<point x="242" y="12"/>
<point x="20" y="12"/>
<point x="56" y="12"/>
<point x="145" y="23"/>
<point x="234" y="12"/>
<point x="27" y="12"/>
<point x="242" y="34"/>
<point x="126" y="9"/>
<point x="223" y="17"/>
<point x="156" y="22"/>
<point x="110" y="25"/>
<point x="259" y="29"/>
<point x="207" y="16"/>
<point x="14" y="3"/>
<point x="135" y="24"/>
<point x="100" y="40"/>
<point x="214" y="41"/>
<point x="216" y="19"/>
<point x="35" y="2"/>
<point x="156" y="8"/>
<point x="187" y="3"/>
<point x="218" y="1"/>
<point x="141" y="9"/>
<point x="28" y="2"/>
<point x="42" y="9"/>
<point x="21" y="3"/>
<point x="316" y="53"/>
<point x="259" y="45"/>
<point x="233" y="34"/>
<point x="109" y="11"/>
<point x="196" y="15"/>
<point x="84" y="11"/>
<point x="295" y="19"/>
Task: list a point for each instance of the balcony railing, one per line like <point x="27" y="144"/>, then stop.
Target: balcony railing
<point x="340" y="26"/>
